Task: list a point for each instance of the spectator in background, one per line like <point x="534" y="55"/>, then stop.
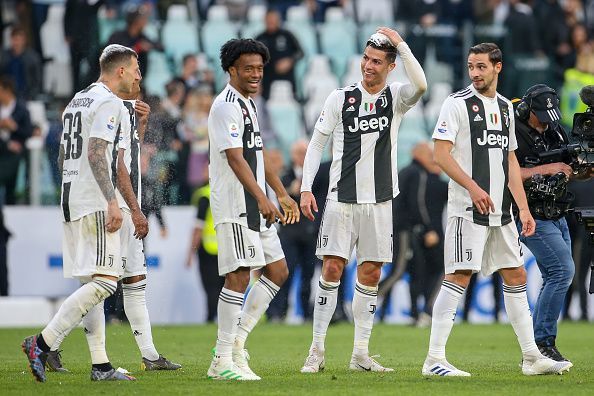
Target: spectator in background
<point x="132" y="36"/>
<point x="523" y="29"/>
<point x="81" y="31"/>
<point x="15" y="129"/>
<point x="23" y="64"/>
<point x="194" y="128"/>
<point x="419" y="208"/>
<point x="172" y="103"/>
<point x="204" y="244"/>
<point x="194" y="73"/>
<point x="318" y="8"/>
<point x="583" y="49"/>
<point x="282" y="6"/>
<point x="4" y="235"/>
<point x="284" y="50"/>
<point x="298" y="241"/>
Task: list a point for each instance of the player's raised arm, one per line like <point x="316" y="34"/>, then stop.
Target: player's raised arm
<point x="412" y="91"/>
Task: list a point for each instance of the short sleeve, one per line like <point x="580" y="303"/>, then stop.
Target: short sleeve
<point x="448" y="122"/>
<point x="330" y="115"/>
<point x="227" y="126"/>
<point x="107" y="119"/>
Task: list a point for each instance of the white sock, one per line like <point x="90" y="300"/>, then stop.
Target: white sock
<point x="324" y="308"/>
<point x="364" y="305"/>
<point x="56" y="345"/>
<point x="76" y="306"/>
<point x="518" y="312"/>
<point x="228" y="313"/>
<point x="138" y="316"/>
<point x="444" y="314"/>
<point x="94" y="327"/>
<point x="256" y="304"/>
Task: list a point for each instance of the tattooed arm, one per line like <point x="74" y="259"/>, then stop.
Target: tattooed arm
<point x="100" y="169"/>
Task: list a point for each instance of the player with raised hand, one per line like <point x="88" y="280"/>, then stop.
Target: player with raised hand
<point x="243" y="214"/>
<point x="362" y="120"/>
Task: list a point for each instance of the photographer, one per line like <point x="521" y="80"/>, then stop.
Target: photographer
<point x="546" y="158"/>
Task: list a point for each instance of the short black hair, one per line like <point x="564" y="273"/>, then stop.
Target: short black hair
<point x="234" y="48"/>
<point x="115" y="55"/>
<point x="495" y="54"/>
<point x="389" y="49"/>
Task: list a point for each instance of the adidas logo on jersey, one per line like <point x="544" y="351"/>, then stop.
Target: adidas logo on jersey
<point x="478" y="118"/>
<point x="493" y="139"/>
<point x="350" y="108"/>
<point x="375" y="124"/>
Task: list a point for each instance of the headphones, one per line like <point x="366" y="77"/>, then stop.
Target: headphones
<point x="525" y="106"/>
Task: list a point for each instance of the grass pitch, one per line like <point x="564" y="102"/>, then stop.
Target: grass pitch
<point x="489" y="352"/>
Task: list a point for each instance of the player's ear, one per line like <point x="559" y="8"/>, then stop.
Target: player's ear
<point x="391" y="66"/>
<point x="498" y="67"/>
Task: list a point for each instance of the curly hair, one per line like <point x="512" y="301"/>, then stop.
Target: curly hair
<point x="234" y="48"/>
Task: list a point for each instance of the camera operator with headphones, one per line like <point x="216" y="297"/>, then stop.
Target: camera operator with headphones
<point x="546" y="158"/>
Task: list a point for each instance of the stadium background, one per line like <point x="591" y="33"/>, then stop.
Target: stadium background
<point x="331" y="59"/>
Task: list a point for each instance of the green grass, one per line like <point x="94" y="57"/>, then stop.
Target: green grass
<point x="489" y="352"/>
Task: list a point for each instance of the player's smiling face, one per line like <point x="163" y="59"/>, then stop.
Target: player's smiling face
<point x="246" y="73"/>
<point x="483" y="73"/>
<point x="375" y="67"/>
<point x="131" y="76"/>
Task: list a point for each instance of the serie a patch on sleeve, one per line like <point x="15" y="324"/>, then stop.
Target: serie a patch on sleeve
<point x="233" y="130"/>
<point x="111" y="121"/>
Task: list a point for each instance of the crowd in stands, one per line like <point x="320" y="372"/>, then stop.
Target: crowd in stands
<point x="49" y="50"/>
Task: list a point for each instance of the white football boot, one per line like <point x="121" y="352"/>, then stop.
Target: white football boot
<point x="441" y="367"/>
<point x="314" y="362"/>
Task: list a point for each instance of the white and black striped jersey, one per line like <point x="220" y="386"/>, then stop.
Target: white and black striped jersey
<point x="129" y="141"/>
<point x="483" y="132"/>
<point x="93" y="112"/>
<point x="364" y="130"/>
<point x="233" y="123"/>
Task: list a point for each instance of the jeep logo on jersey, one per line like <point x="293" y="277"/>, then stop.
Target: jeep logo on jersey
<point x="493" y="139"/>
<point x="255" y="141"/>
<point x="373" y="124"/>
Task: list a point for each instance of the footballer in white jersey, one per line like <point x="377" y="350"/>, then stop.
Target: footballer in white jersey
<point x="95" y="112"/>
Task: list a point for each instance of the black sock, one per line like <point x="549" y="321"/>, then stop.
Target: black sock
<point x="42" y="344"/>
<point x="103" y="366"/>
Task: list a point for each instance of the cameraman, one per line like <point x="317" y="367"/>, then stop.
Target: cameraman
<point x="538" y="131"/>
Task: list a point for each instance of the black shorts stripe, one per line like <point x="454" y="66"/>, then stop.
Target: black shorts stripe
<point x="235" y="240"/>
<point x="66" y="200"/>
<point x="241" y="241"/>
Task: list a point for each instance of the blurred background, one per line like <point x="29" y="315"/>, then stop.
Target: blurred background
<point x="50" y="50"/>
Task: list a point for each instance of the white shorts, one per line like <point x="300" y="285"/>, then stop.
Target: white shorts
<point x="88" y="249"/>
<point x="367" y="226"/>
<point x="241" y="247"/>
<point x="132" y="249"/>
<point x="470" y="246"/>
